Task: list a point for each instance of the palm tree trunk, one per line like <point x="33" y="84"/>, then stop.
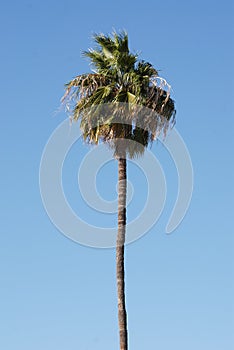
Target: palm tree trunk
<point x="122" y="314"/>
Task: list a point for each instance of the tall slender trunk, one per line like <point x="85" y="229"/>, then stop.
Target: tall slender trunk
<point x="122" y="314"/>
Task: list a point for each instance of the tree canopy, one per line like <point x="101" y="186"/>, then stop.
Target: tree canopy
<point x="108" y="100"/>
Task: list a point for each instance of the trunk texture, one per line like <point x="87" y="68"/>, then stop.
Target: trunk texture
<point x="122" y="314"/>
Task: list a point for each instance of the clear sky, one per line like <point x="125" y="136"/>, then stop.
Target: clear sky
<point x="56" y="294"/>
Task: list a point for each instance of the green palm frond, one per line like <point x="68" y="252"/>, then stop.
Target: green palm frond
<point x="146" y="69"/>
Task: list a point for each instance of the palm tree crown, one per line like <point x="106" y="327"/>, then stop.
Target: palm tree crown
<point x="119" y="78"/>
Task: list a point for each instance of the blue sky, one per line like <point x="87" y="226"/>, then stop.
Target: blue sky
<point x="56" y="294"/>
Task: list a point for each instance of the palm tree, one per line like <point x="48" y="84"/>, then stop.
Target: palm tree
<point x="119" y="77"/>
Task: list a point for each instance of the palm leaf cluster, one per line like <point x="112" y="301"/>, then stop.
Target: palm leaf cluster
<point x="125" y="84"/>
